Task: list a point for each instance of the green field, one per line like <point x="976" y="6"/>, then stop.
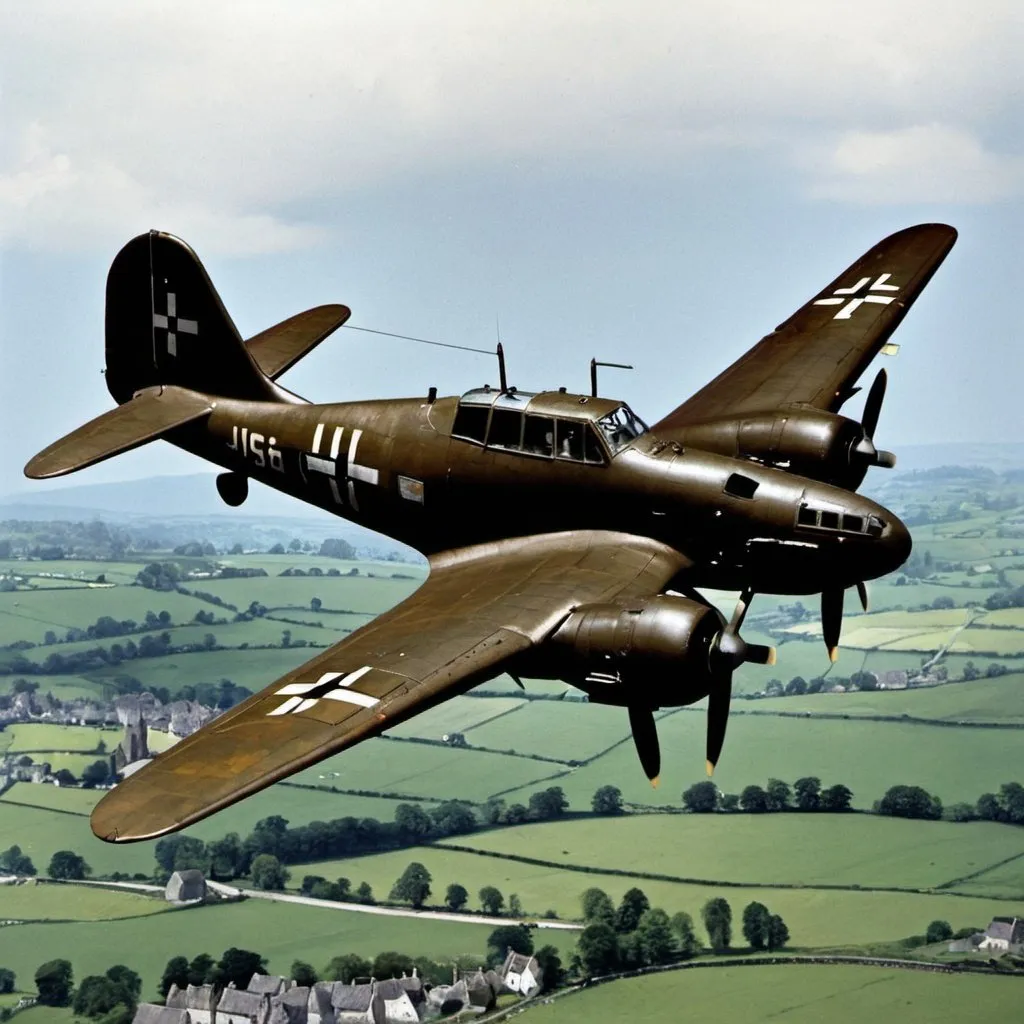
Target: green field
<point x="55" y="902"/>
<point x="281" y="932"/>
<point x="815" y="917"/>
<point x="797" y="994"/>
<point x="459" y="714"/>
<point x="26" y="736"/>
<point x="869" y="757"/>
<point x="982" y="700"/>
<point x="30" y="816"/>
<point x="788" y="849"/>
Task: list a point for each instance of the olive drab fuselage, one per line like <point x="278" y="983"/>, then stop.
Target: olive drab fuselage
<point x="394" y="466"/>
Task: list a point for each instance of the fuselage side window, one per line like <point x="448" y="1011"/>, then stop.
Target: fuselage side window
<point x="592" y="451"/>
<point x="539" y="435"/>
<point x="506" y="429"/>
<point x="471" y="423"/>
<point x="570" y="440"/>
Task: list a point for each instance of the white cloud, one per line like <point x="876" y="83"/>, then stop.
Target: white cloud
<point x="931" y="163"/>
<point x="222" y="114"/>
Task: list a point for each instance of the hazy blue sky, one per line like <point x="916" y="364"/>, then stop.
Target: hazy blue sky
<point x="658" y="183"/>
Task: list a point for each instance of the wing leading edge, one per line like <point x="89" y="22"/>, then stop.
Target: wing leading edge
<point x="479" y="607"/>
<point x="816" y="356"/>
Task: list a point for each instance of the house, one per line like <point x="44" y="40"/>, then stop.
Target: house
<point x="483" y="987"/>
<point x="237" y="1006"/>
<point x="267" y="984"/>
<point x="290" y="1006"/>
<point x="448" y="999"/>
<point x="199" y="1000"/>
<point x="392" y="1003"/>
<point x="318" y="1006"/>
<point x="150" y="1013"/>
<point x="1002" y="933"/>
<point x="521" y="974"/>
<point x="891" y="679"/>
<point x="187" y="886"/>
<point x="352" y="1004"/>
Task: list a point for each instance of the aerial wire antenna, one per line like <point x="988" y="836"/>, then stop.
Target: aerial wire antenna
<point x="422" y="341"/>
<point x="594" y="364"/>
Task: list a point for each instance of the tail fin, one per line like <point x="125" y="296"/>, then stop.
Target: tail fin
<point x="166" y="324"/>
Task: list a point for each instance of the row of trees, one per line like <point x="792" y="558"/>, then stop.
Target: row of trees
<point x="232" y="856"/>
<point x="64" y="864"/>
<point x="805" y="794"/>
<point x="413" y="887"/>
<point x="635" y="934"/>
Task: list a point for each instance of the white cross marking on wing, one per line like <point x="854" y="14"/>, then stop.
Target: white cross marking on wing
<point x="853" y="297"/>
<point x="330" y="686"/>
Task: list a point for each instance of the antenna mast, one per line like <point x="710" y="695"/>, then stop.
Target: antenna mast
<point x="594" y="364"/>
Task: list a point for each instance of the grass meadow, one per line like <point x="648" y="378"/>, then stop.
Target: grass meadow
<point x="795" y="993"/>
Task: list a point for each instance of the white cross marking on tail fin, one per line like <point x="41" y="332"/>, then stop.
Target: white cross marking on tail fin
<point x="856" y="295"/>
<point x="173" y="324"/>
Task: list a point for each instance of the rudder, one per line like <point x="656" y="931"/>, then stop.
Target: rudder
<point x="166" y="324"/>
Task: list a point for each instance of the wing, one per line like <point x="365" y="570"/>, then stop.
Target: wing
<point x="816" y="356"/>
<point x="479" y="606"/>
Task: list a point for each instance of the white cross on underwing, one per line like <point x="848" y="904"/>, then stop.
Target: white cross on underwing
<point x="330" y="686"/>
<point x="174" y="324"/>
<point x="856" y="295"/>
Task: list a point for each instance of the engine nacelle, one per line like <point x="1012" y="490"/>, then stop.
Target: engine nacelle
<point x="811" y="442"/>
<point x="654" y="650"/>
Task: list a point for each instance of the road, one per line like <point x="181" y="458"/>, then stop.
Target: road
<point x="232" y="892"/>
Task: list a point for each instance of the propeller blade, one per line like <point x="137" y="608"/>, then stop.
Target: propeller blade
<point x="832" y="620"/>
<point x="718" y="718"/>
<point x="645" y="736"/>
<point x="862" y="593"/>
<point x="873" y="404"/>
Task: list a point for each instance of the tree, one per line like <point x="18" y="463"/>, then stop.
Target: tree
<point x="268" y="873"/>
<point x="277" y="549"/>
<point x="754" y="800"/>
<point x="755" y="924"/>
<point x="515" y="906"/>
<point x="1011" y="796"/>
<point x="779" y="795"/>
<point x="226" y="857"/>
<point x="335" y="547"/>
<point x="778" y="933"/>
<point x="550" y="964"/>
<point x="14" y="862"/>
<point x="701" y="798"/>
<point x="65" y="777"/>
<point x="53" y="983"/>
<point x="796" y="687"/>
<point x="392" y="965"/>
<point x="717" y="917"/>
<point x="303" y="974"/>
<point x="347" y="968"/>
<point x="413" y="822"/>
<point x="808" y="790"/>
<point x="654" y="937"/>
<point x="413" y="886"/>
<point x="909" y="802"/>
<point x="729" y="803"/>
<point x="597" y="907"/>
<point x="95" y="774"/>
<point x="989" y="808"/>
<point x="175" y="973"/>
<point x="68" y="865"/>
<point x="7" y="980"/>
<point x="202" y="969"/>
<point x="598" y="949"/>
<point x="686" y="937"/>
<point x="634" y="904"/>
<point x="938" y="931"/>
<point x="607" y="800"/>
<point x="364" y="893"/>
<point x="238" y="966"/>
<point x="548" y="803"/>
<point x="456" y="896"/>
<point x="491" y="899"/>
<point x="453" y="818"/>
<point x="315" y="604"/>
<point x="516" y="937"/>
<point x="836" y="798"/>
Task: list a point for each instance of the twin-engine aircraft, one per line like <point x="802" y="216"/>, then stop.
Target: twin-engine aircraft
<point x="566" y="539"/>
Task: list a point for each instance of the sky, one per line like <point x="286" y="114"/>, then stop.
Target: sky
<point x="652" y="183"/>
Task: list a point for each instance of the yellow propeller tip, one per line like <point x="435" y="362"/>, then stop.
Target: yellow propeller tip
<point x="710" y="768"/>
<point x="771" y="656"/>
<point x="655" y="781"/>
<point x="833" y="654"/>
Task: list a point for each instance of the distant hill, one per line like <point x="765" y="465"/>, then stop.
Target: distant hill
<point x="188" y="507"/>
<point x="999" y="457"/>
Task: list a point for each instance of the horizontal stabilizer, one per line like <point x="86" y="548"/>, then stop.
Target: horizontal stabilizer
<point x="151" y="413"/>
<point x="280" y="347"/>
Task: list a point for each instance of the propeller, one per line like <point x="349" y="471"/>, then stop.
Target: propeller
<point x="645" y="736"/>
<point x="865" y="448"/>
<point x="832" y="615"/>
<point x="730" y="652"/>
